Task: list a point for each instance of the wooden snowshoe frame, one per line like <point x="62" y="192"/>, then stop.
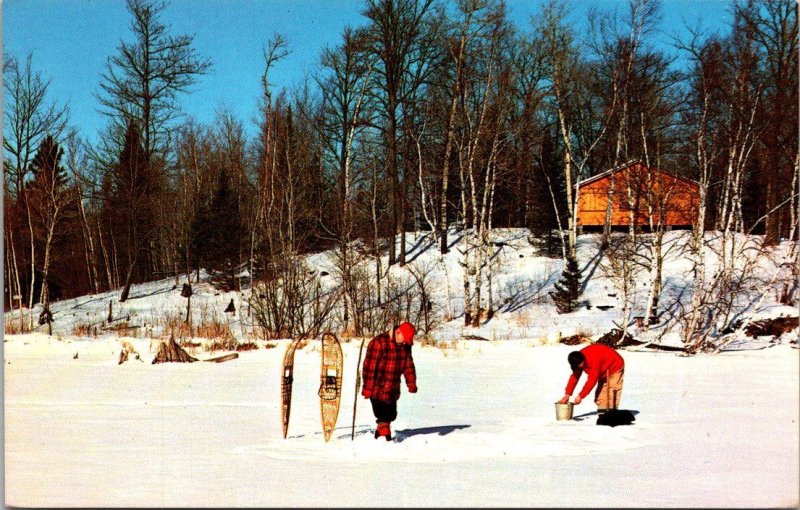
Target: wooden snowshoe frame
<point x="287" y="377"/>
<point x="330" y="389"/>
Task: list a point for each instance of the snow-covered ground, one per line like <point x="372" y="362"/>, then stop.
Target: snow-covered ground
<point x="717" y="430"/>
<point x="710" y="430"/>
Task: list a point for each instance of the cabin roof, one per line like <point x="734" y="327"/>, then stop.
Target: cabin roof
<point x="623" y="166"/>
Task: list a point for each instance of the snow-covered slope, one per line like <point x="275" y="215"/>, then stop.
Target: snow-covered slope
<point x="522" y="280"/>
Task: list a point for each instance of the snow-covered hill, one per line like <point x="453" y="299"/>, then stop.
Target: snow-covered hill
<point x="522" y="280"/>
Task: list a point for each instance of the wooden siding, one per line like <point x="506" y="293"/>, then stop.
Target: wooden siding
<point x="672" y="197"/>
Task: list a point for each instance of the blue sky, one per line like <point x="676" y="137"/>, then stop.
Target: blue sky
<point x="71" y="40"/>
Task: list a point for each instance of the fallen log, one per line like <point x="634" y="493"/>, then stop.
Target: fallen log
<point x="574" y="340"/>
<point x="474" y="337"/>
<point x="226" y="357"/>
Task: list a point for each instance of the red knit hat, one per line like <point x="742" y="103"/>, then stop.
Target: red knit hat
<point x="408" y="330"/>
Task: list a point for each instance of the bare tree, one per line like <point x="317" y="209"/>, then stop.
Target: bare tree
<point x="772" y="28"/>
<point x="618" y="49"/>
<point x="29" y="117"/>
<point x="458" y="47"/>
<point x="142" y="81"/>
<point x="483" y="110"/>
<point x="569" y="76"/>
<point x="274" y="50"/>
<point x="621" y="266"/>
<point x="140" y="87"/>
<point x="78" y="165"/>
<point x="293" y="303"/>
<point x="396" y="29"/>
<point x="346" y="113"/>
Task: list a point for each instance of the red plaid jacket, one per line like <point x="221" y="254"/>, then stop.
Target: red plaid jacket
<point x="383" y="364"/>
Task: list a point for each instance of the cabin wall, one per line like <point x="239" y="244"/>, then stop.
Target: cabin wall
<point x="674" y="199"/>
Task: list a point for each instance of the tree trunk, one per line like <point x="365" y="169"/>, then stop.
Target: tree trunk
<point x="571" y="237"/>
<point x="33" y="256"/>
<point x="128" y="278"/>
<point x="106" y="259"/>
<point x="443" y="248"/>
<point x="91" y="256"/>
<point x="45" y="298"/>
<point x="393" y="179"/>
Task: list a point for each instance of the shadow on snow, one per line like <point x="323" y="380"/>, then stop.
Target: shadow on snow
<point x="402" y="435"/>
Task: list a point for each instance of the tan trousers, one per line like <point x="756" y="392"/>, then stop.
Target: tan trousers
<point x="609" y="391"/>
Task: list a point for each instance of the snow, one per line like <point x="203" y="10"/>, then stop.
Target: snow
<point x="711" y="430"/>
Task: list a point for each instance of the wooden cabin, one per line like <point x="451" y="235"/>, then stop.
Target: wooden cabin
<point x="633" y="187"/>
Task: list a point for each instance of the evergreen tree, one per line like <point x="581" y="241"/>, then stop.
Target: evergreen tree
<point x="50" y="199"/>
<point x="217" y="230"/>
<point x="46" y="166"/>
<point x="568" y="287"/>
<point x="132" y="206"/>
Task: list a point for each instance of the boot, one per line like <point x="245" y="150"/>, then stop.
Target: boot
<point x="382" y="430"/>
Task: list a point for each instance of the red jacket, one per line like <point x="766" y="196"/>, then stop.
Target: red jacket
<point x="601" y="361"/>
<point x="383" y="364"/>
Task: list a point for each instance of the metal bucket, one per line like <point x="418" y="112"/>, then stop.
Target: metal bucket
<point x="564" y="411"/>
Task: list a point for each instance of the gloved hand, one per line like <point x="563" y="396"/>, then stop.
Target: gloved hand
<point x="412" y="388"/>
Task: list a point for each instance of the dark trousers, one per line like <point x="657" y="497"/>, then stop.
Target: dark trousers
<point x="384" y="411"/>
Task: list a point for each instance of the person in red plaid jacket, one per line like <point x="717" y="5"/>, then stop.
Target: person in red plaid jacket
<point x="387" y="358"/>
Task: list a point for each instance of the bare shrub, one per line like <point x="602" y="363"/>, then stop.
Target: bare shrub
<point x="373" y="316"/>
<point x="735" y="289"/>
<point x="12" y="328"/>
<point x="84" y="329"/>
<point x="247" y="346"/>
<point x="291" y="301"/>
<point x="524" y="319"/>
<point x="214" y="330"/>
<point x="428" y="310"/>
<point x="622" y="265"/>
<point x="359" y="293"/>
<point x="127" y="330"/>
<point x="175" y="325"/>
<point x="223" y="344"/>
<point x="429" y="341"/>
<point x="190" y="346"/>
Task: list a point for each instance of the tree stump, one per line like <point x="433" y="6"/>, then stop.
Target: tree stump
<point x="231" y="308"/>
<point x="171" y="352"/>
